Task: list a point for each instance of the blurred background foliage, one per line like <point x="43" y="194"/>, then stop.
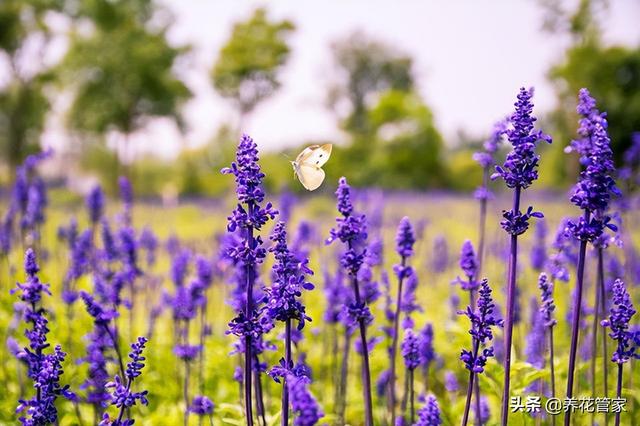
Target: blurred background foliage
<point x="119" y="73"/>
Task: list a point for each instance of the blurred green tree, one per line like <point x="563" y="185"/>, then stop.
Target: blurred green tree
<point x="611" y="73"/>
<point x="120" y="69"/>
<point x="24" y="39"/>
<point x="390" y="128"/>
<point x="248" y="65"/>
<point x="365" y="68"/>
<point x="408" y="147"/>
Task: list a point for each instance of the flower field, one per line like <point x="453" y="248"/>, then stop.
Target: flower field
<point x="260" y="303"/>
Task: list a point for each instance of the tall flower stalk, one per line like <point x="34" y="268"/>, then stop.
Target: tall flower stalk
<point x="248" y="217"/>
<point x="592" y="195"/>
<point x="487" y="161"/>
<point x="405" y="239"/>
<point x="519" y="171"/>
<point x="44" y="369"/>
<point x="412" y="359"/>
<point x="618" y="323"/>
<point x="122" y="396"/>
<point x="482" y="319"/>
<point x="599" y="311"/>
<point x="470" y="265"/>
<point x="284" y="304"/>
<point x="429" y="414"/>
<point x="547" y="307"/>
<point x="351" y="230"/>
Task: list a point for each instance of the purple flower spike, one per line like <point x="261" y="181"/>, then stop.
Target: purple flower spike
<point x="520" y="168"/>
<point x="95" y="204"/>
<point x="468" y="262"/>
<point x="303" y="404"/>
<point x="482" y="320"/>
<point x="548" y="306"/>
<point x="405" y="238"/>
<point x="122" y="396"/>
<point x="201" y="406"/>
<point x="618" y="322"/>
<point x="248" y="217"/>
<point x="126" y="191"/>
<point x="429" y="414"/>
<point x="519" y="171"/>
<point x="44" y="369"/>
<point x="289" y="280"/>
<point x="538" y="255"/>
<point x="592" y="194"/>
<point x="440" y="260"/>
<point x="411" y="350"/>
<point x="351" y="229"/>
<point x="627" y="342"/>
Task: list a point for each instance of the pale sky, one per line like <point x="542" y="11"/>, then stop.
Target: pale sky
<point x="470" y="59"/>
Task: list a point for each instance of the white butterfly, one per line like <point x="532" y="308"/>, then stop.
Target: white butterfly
<point x="307" y="167"/>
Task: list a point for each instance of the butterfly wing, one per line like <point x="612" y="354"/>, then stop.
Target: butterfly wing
<point x="310" y="176"/>
<point x="315" y="155"/>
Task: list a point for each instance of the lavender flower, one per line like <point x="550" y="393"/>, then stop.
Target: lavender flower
<point x="618" y="321"/>
<point x="451" y="382"/>
<point x="468" y="262"/>
<point x="80" y="264"/>
<point x="351" y="230"/>
<point x="547" y="306"/>
<point x="303" y="404"/>
<point x="485" y="412"/>
<point x="187" y="352"/>
<point x="129" y="250"/>
<point x="482" y="320"/>
<point x="427" y="351"/>
<point x="538" y="255"/>
<point x="95" y="204"/>
<point x="596" y="185"/>
<point x="99" y="343"/>
<point x="440" y="260"/>
<point x="487" y="160"/>
<point x="520" y="168"/>
<point x="564" y="246"/>
<point x="126" y="195"/>
<point x="110" y="250"/>
<point x="592" y="194"/>
<point x="411" y="350"/>
<point x="535" y="342"/>
<point x="148" y="242"/>
<point x="180" y="267"/>
<point x="122" y="396"/>
<point x="44" y="369"/>
<point x="286" y="203"/>
<point x="405" y="239"/>
<point x="247" y="217"/>
<point x="412" y="359"/>
<point x="519" y="171"/>
<point x="283" y="298"/>
<point x="289" y="281"/>
<point x="36" y="202"/>
<point x="336" y="294"/>
<point x="201" y="406"/>
<point x="469" y="265"/>
<point x="429" y="414"/>
<point x="375" y="252"/>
